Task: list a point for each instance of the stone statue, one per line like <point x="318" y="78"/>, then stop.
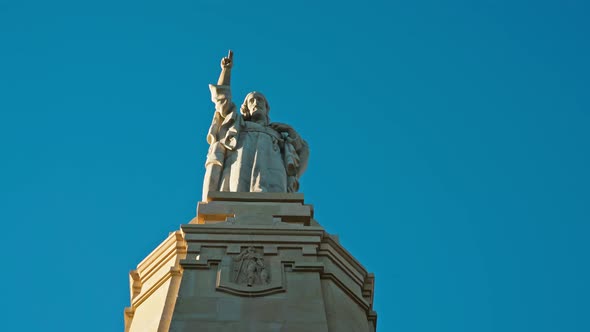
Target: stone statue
<point x="247" y="152"/>
<point x="252" y="266"/>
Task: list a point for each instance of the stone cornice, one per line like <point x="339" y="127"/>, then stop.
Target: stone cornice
<point x="173" y="248"/>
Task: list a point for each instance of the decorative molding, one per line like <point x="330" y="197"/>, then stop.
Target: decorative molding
<point x="134" y="283"/>
<point x="254" y="197"/>
<point x="203" y="263"/>
<point x="173" y="272"/>
<point x="173" y="246"/>
<point x="309" y="267"/>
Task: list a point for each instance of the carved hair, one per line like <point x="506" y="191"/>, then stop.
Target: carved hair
<point x="244" y="108"/>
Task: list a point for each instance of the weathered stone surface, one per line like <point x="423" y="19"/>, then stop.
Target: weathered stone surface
<point x="247" y="153"/>
<point x="218" y="284"/>
<point x="266" y="209"/>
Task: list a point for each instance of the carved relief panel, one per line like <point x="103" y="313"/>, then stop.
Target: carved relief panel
<point x="250" y="268"/>
<point x="250" y="273"/>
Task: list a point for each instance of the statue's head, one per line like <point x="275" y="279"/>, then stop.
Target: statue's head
<point x="255" y="107"/>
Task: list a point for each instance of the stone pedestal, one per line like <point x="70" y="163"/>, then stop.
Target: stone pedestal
<point x="251" y="262"/>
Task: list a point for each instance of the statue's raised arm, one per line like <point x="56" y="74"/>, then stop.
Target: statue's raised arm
<point x="247" y="152"/>
<point x="226" y="65"/>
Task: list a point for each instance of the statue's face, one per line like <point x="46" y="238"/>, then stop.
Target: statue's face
<point x="257" y="106"/>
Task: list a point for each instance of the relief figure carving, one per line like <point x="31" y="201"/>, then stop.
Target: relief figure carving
<point x="250" y="268"/>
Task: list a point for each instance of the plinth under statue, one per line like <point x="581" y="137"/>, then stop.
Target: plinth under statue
<point x="253" y="259"/>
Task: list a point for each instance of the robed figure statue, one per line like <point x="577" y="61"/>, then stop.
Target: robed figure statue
<point x="247" y="152"/>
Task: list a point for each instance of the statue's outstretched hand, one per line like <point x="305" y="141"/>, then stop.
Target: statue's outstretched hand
<point x="228" y="61"/>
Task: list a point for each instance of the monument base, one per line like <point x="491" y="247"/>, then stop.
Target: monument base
<point x="251" y="262"/>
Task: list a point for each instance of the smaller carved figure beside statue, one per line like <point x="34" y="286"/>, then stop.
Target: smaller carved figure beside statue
<point x="247" y="152"/>
<point x="250" y="268"/>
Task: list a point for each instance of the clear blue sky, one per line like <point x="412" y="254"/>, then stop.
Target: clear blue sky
<point x="449" y="148"/>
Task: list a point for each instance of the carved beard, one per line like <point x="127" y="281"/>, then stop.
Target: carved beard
<point x="259" y="117"/>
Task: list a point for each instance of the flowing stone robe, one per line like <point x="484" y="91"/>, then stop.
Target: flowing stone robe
<point x="246" y="156"/>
